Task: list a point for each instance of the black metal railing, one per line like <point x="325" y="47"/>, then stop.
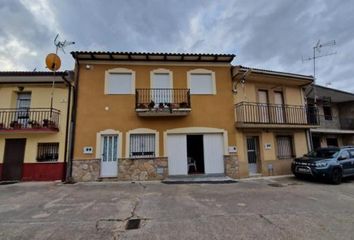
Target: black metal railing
<point x="151" y="98"/>
<point x="29" y="118"/>
<point x="259" y="113"/>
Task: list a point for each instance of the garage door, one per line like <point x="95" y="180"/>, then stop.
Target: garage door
<point x="214" y="153"/>
<point x="177" y="154"/>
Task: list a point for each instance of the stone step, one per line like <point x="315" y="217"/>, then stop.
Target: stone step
<point x="198" y="179"/>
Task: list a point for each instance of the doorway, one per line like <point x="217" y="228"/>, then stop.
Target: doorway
<point x="195" y="154"/>
<point x="316" y="142"/>
<point x="13" y="159"/>
<point x="252" y="154"/>
<point x="109" y="159"/>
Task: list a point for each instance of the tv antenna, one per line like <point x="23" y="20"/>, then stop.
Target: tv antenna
<point x="61" y="44"/>
<point x="317" y="54"/>
<point x="53" y="63"/>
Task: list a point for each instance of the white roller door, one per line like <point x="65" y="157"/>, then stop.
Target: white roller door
<point x="177" y="154"/>
<point x="213" y="153"/>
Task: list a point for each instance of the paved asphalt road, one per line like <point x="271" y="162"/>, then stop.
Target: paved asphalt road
<point x="283" y="208"/>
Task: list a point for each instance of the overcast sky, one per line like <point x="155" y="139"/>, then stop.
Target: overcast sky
<point x="271" y="36"/>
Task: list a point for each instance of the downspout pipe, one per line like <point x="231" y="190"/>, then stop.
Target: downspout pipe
<point x="69" y="178"/>
<point x="68" y="114"/>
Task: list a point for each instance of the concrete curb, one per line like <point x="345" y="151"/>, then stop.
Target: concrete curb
<point x="264" y="178"/>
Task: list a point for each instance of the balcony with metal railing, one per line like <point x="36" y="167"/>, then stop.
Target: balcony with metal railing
<point x="259" y="115"/>
<point x="29" y="120"/>
<point x="162" y="102"/>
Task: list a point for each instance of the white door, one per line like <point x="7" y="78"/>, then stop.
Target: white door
<point x="162" y="92"/>
<point x="279" y="108"/>
<point x="177" y="154"/>
<point x="263" y="106"/>
<point x="109" y="156"/>
<point x="213" y="153"/>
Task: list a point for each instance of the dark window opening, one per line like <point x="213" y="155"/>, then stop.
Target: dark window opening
<point x="195" y="154"/>
<point x="47" y="152"/>
<point x="316" y="142"/>
<point x="327" y="111"/>
<point x="332" y="142"/>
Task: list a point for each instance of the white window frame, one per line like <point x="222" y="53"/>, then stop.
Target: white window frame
<point x="202" y="71"/>
<point x="142" y="131"/>
<point x="163" y="71"/>
<point x="108" y="132"/>
<point x="119" y="70"/>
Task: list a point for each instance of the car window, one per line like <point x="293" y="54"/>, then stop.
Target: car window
<point x="344" y="154"/>
<point x="351" y="152"/>
<point x="324" y="153"/>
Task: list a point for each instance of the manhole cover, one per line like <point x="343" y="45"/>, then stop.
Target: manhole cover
<point x="275" y="185"/>
<point x="132" y="224"/>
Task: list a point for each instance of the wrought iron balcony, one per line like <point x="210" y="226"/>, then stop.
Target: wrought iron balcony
<point x="272" y="115"/>
<point x="29" y="119"/>
<point x="162" y="102"/>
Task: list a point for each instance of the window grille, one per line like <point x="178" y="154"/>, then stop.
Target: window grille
<point x="142" y="145"/>
<point x="47" y="152"/>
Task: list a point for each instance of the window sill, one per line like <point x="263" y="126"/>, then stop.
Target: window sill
<point x="141" y="158"/>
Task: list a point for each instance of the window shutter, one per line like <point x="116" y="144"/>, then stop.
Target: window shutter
<point x="201" y="83"/>
<point x="119" y="83"/>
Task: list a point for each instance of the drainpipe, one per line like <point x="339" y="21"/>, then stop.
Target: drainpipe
<point x="69" y="178"/>
<point x="70" y="86"/>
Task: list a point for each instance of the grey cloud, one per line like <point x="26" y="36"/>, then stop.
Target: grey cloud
<point x="262" y="34"/>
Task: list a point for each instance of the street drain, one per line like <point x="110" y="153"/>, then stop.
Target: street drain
<point x="276" y="185"/>
<point x="132" y="224"/>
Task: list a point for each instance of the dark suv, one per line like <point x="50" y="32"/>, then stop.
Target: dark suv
<point x="331" y="163"/>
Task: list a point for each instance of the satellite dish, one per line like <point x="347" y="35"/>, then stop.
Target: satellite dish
<point x="53" y="62"/>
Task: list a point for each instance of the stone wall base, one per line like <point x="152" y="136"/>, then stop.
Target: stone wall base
<point x="143" y="169"/>
<point x="140" y="169"/>
<point x="231" y="166"/>
<point x="86" y="170"/>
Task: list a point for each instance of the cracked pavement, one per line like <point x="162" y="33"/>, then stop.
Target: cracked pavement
<point x="282" y="208"/>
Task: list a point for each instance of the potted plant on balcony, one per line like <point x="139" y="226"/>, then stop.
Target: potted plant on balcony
<point x="15" y="125"/>
<point x="49" y="123"/>
<point x="151" y="105"/>
<point x="34" y="124"/>
<point x="183" y="105"/>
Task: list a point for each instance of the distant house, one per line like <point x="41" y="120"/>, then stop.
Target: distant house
<point x="272" y="120"/>
<point x="336" y="112"/>
<point x="147" y="116"/>
<point x="34" y="132"/>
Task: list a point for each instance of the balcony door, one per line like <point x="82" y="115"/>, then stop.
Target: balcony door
<point x="279" y="107"/>
<point x="162" y="85"/>
<point x="23" y="105"/>
<point x="263" y="106"/>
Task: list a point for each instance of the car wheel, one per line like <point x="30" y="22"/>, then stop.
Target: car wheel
<point x="299" y="176"/>
<point x="336" y="176"/>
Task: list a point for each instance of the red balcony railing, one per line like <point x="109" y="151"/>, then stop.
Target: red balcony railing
<point x="15" y="119"/>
